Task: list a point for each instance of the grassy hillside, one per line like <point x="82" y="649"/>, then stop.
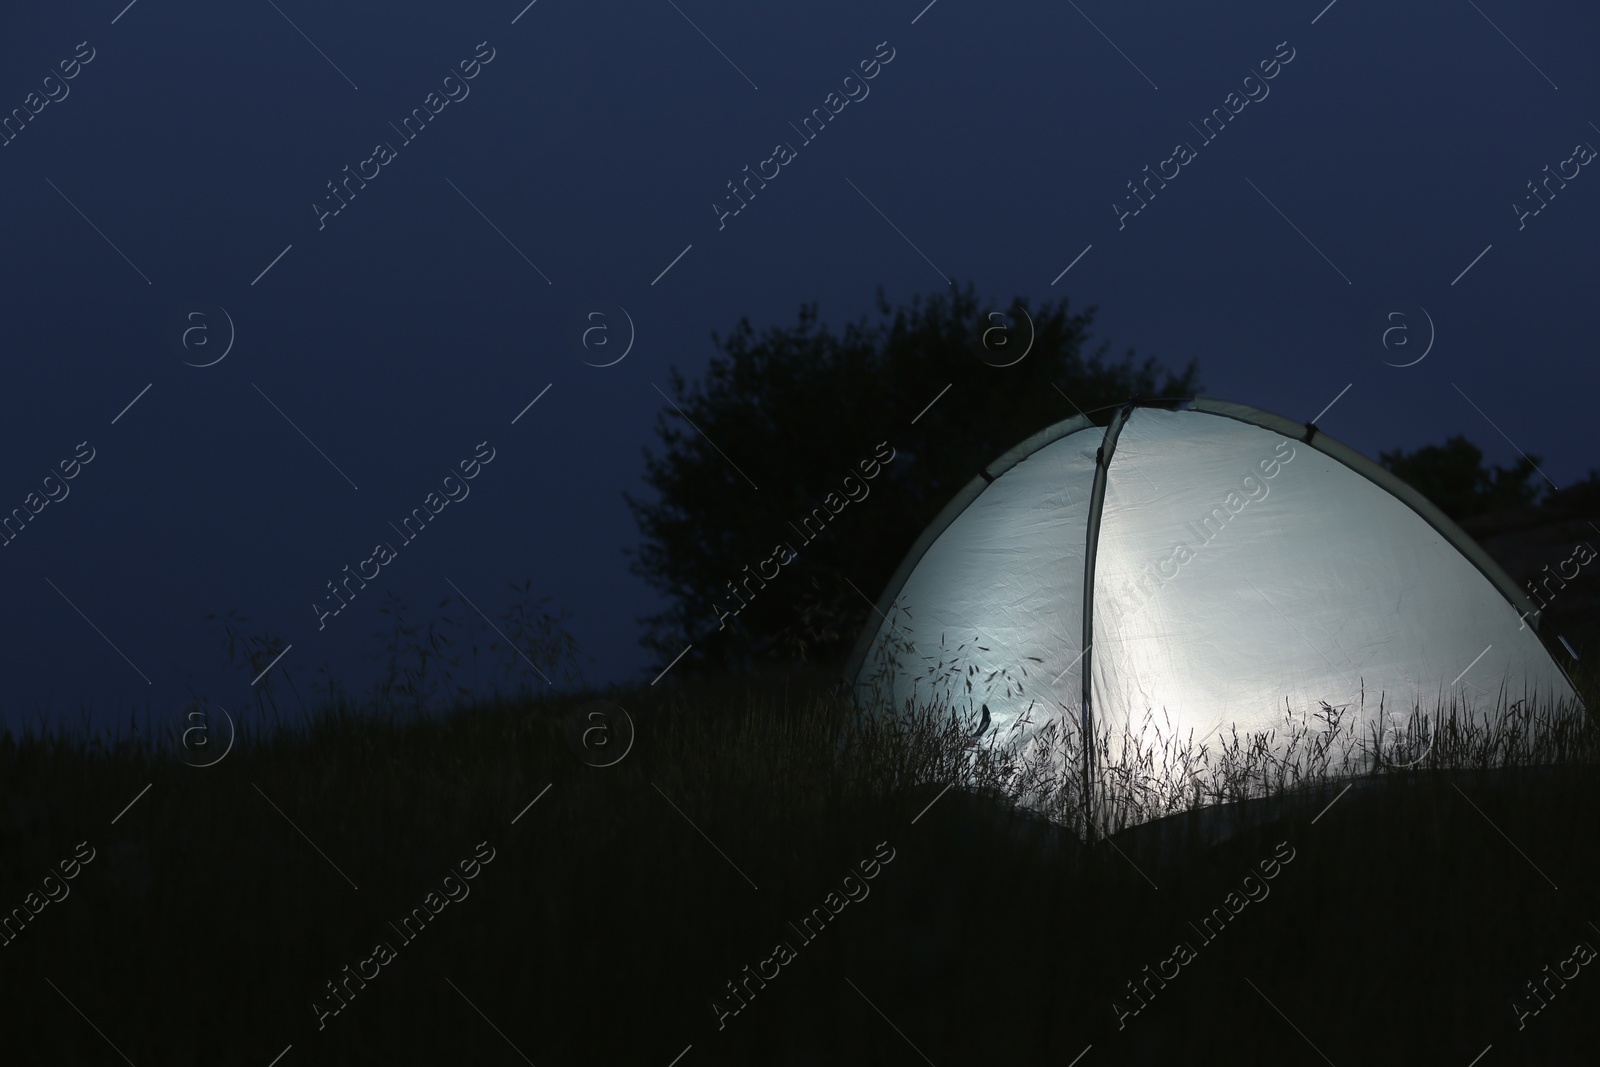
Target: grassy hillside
<point x="1399" y="925"/>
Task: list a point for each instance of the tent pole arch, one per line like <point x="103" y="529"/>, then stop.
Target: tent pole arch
<point x="1097" y="498"/>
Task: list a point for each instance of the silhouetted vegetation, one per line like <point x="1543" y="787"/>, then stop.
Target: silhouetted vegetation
<point x="1454" y="476"/>
<point x="1401" y="923"/>
<point x="456" y="655"/>
<point x="796" y="411"/>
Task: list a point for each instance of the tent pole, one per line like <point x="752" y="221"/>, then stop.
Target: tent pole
<point x="1102" y="461"/>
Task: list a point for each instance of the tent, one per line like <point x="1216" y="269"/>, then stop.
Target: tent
<point x="1191" y="569"/>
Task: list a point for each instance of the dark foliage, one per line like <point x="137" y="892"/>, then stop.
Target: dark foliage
<point x="1399" y="924"/>
<point x="781" y="420"/>
<point x="1454" y="477"/>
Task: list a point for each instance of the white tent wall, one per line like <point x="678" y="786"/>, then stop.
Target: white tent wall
<point x="1237" y="569"/>
<point x="991" y="614"/>
<point x="1244" y="567"/>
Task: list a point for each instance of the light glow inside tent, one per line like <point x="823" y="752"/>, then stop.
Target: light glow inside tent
<point x="1244" y="567"/>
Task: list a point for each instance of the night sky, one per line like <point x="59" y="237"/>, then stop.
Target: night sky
<point x="1378" y="185"/>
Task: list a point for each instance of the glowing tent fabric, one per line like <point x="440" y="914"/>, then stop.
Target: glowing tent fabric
<point x="1233" y="561"/>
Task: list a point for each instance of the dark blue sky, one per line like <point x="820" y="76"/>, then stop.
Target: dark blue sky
<point x="1377" y="164"/>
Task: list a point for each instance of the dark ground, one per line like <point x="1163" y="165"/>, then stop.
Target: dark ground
<point x="1400" y="926"/>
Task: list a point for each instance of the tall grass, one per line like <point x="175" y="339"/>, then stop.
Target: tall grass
<point x="456" y="655"/>
<point x="622" y="903"/>
<point x="1135" y="774"/>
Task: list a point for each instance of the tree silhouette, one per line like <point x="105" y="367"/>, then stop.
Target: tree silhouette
<point x="797" y="473"/>
<point x="1453" y="476"/>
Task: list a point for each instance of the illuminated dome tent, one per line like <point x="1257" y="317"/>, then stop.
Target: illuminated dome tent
<point x="1203" y="561"/>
